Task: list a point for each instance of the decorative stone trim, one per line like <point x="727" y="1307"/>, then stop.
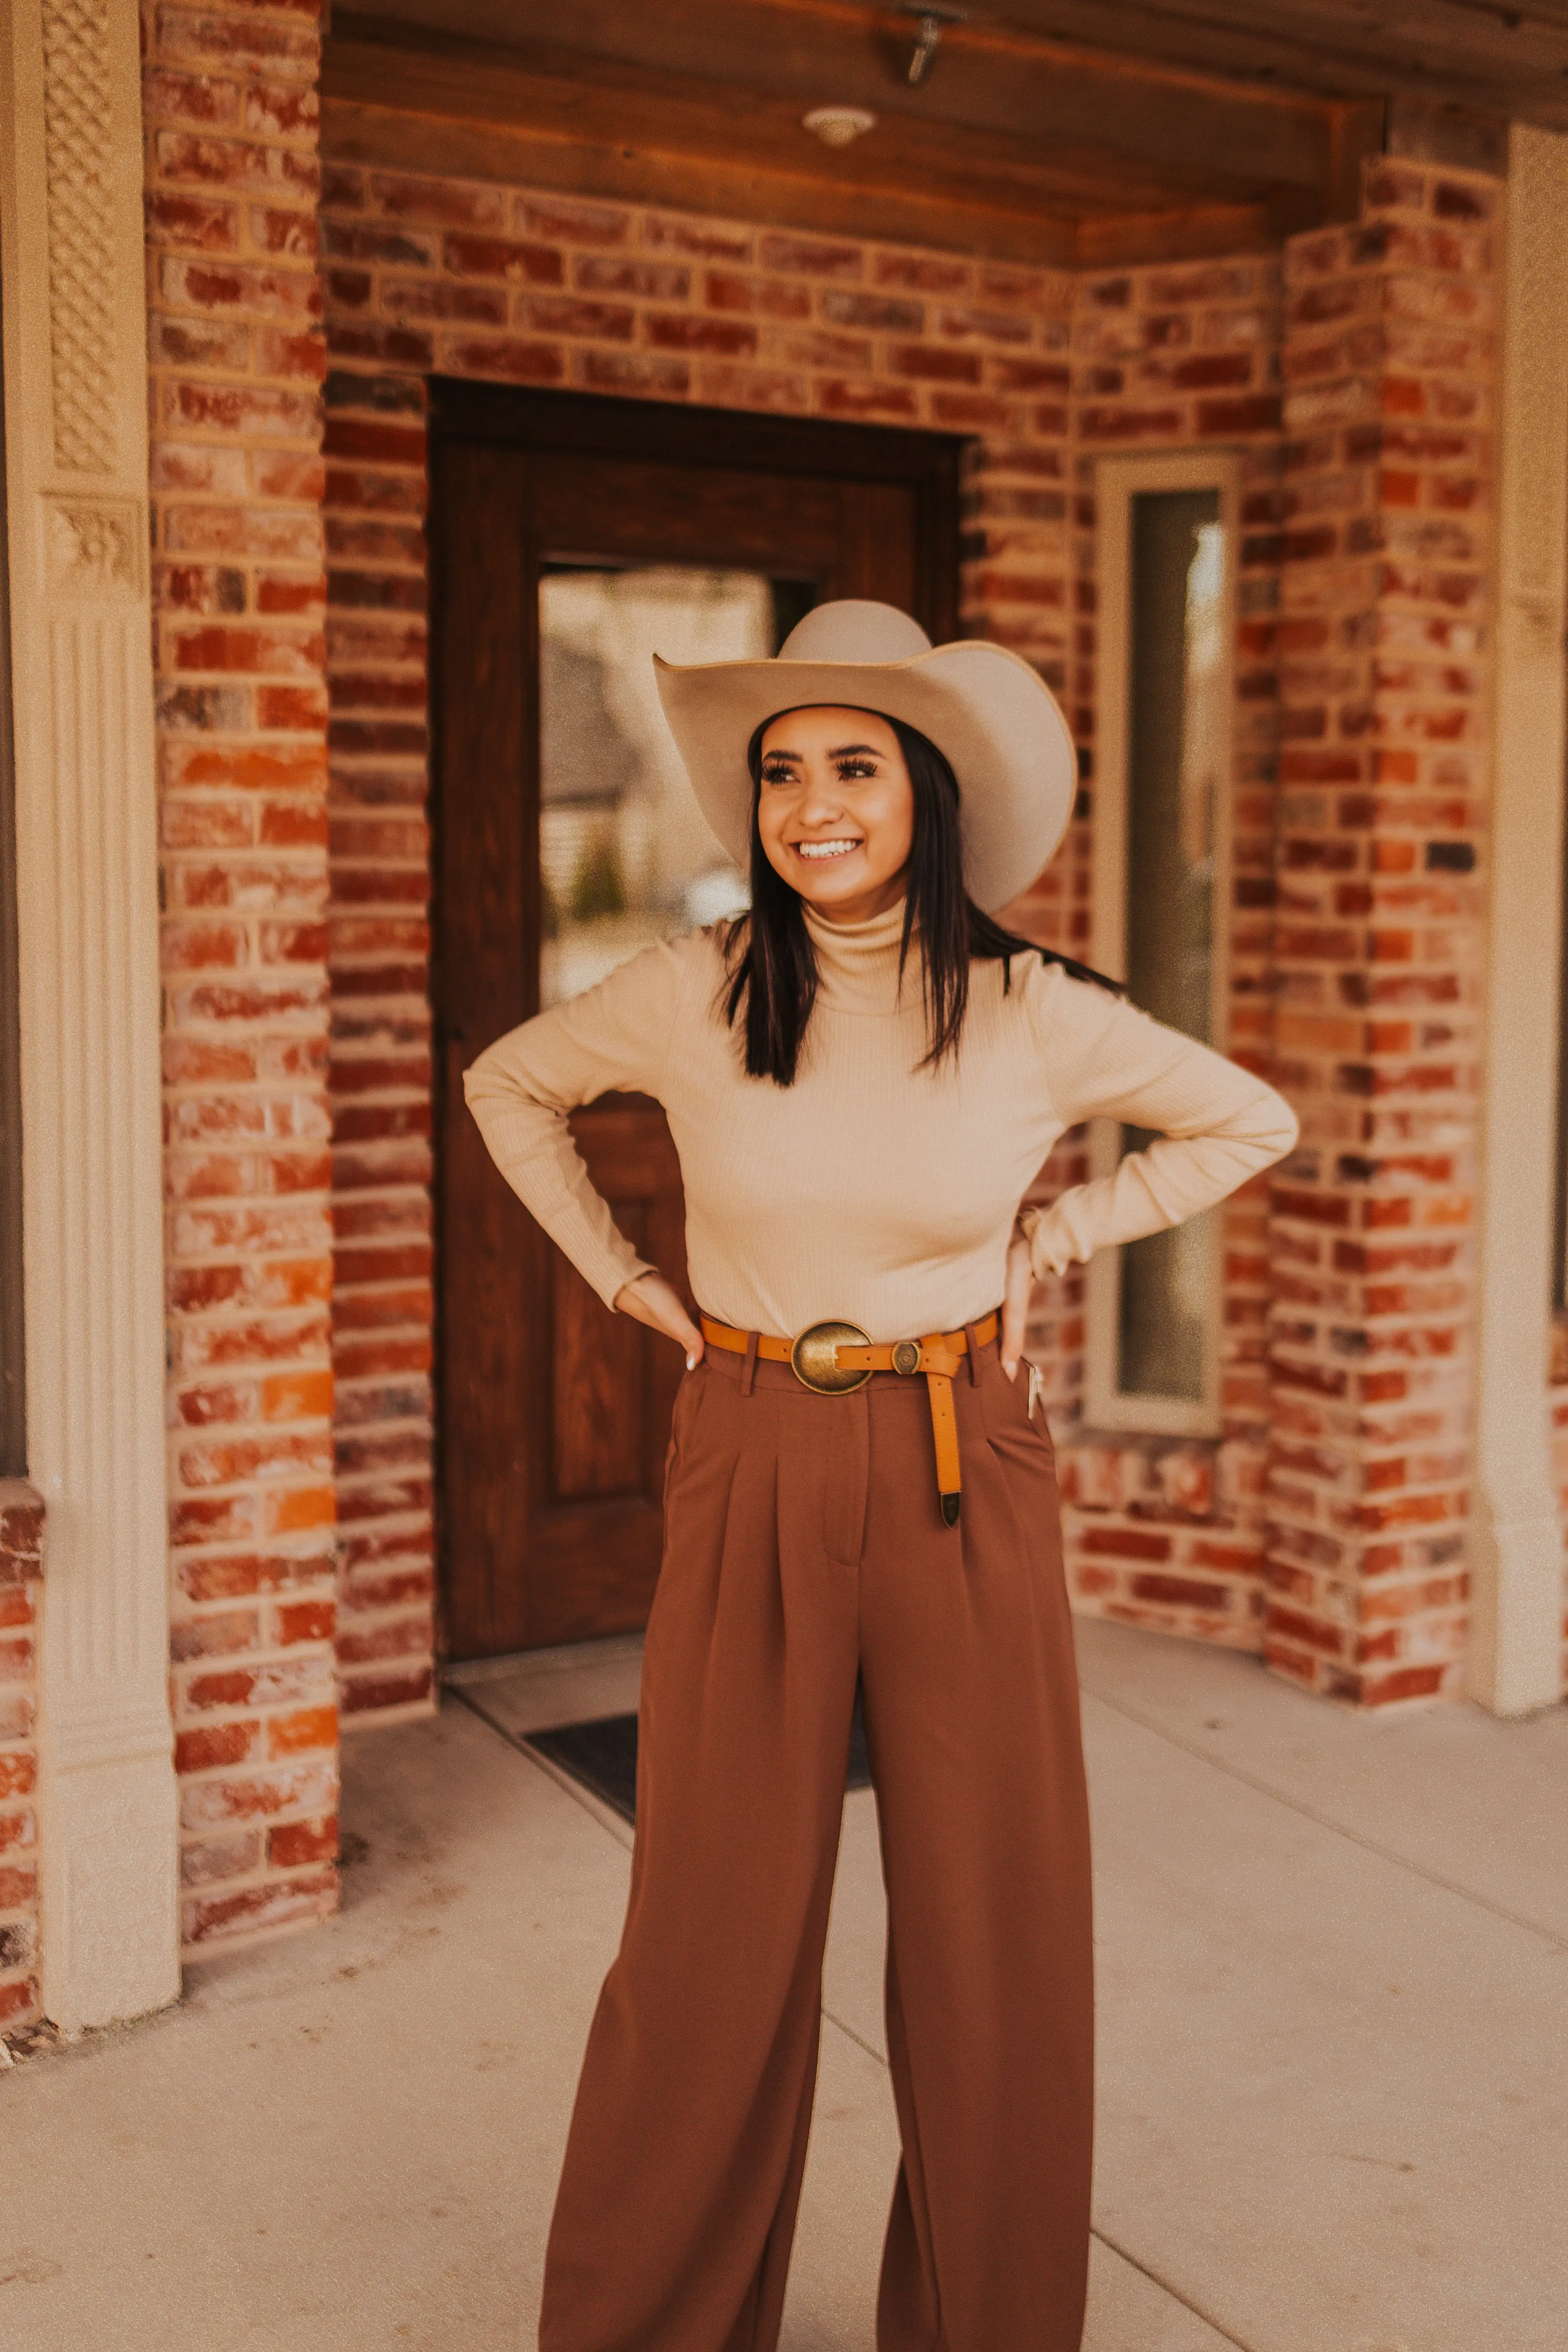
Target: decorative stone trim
<point x="70" y="141"/>
<point x="78" y="153"/>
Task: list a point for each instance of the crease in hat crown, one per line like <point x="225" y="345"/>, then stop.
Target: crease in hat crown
<point x="854" y="629"/>
<point x="987" y="710"/>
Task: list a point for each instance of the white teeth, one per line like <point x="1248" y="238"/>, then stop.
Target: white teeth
<point x="825" y="848"/>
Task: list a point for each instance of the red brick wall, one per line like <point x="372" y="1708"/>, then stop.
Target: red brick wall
<point x="1169" y="1532"/>
<point x="236" y="356"/>
<point x="1389" y="362"/>
<point x="469" y="278"/>
<point x="21" y="1569"/>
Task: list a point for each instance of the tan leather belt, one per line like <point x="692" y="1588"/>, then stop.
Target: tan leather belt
<point x="835" y="1359"/>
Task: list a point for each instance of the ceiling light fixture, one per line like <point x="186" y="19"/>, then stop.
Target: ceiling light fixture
<point x="929" y="26"/>
<point x="838" y="126"/>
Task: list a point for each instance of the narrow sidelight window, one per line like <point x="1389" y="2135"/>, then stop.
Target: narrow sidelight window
<point x="1166" y="604"/>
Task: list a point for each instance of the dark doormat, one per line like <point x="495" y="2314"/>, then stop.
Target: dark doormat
<point x="604" y="1757"/>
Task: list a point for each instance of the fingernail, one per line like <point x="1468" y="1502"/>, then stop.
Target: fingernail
<point x="691" y="1363"/>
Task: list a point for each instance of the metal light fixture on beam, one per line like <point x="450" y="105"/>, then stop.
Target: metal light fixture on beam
<point x="929" y="26"/>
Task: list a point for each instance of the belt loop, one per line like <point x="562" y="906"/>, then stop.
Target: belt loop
<point x="973" y="1355"/>
<point x="750" y="1366"/>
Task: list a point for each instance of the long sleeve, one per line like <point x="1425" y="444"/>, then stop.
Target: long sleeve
<point x="521" y="1089"/>
<point x="1218" y="1124"/>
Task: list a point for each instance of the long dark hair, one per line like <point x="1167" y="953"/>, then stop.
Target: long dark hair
<point x="772" y="964"/>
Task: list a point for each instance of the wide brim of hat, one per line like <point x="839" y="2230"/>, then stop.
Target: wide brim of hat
<point x="993" y="718"/>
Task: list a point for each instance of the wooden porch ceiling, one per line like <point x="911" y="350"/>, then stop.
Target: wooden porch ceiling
<point x="1073" y="132"/>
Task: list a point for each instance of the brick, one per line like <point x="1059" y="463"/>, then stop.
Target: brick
<point x="210" y="285"/>
<point x="556" y="219"/>
<point x="215" y="1745"/>
<point x="433" y="298"/>
<point x="290" y="1844"/>
<point x="704" y="240"/>
<point x="199" y="224"/>
<point x="801" y="257"/>
<point x="1126" y="1543"/>
<point x="169" y="97"/>
<point x="922" y="273"/>
<point x="742" y="387"/>
<point x="680" y="331"/>
<point x="515" y="360"/>
<point x="368" y="441"/>
<point x="866" y="397"/>
<point x="567" y="314"/>
<point x="519" y="262"/>
<point x="728" y="289"/>
<point x="375" y="1694"/>
<point x="633" y="374"/>
<point x="279" y="1903"/>
<point x="435" y="204"/>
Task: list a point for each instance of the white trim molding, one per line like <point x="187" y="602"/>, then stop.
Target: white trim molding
<point x="1117" y="481"/>
<point x="1516" y="1543"/>
<point x="71" y="273"/>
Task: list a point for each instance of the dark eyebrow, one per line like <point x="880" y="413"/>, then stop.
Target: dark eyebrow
<point x="841" y="752"/>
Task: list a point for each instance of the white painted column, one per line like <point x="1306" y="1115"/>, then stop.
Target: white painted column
<point x="71" y="273"/>
<point x="1517" y="1554"/>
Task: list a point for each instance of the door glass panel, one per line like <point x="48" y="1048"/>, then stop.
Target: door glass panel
<point x="625" y="854"/>
<point x="1176" y="739"/>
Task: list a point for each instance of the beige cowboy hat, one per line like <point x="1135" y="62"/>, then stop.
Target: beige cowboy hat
<point x="992" y="717"/>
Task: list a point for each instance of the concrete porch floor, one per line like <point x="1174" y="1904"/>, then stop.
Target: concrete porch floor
<point x="1333" y="1991"/>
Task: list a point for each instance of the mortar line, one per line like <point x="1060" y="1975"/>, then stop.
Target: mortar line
<point x="1325" y="1821"/>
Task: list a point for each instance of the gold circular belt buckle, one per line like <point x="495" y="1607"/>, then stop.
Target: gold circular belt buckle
<point x="813" y="1359"/>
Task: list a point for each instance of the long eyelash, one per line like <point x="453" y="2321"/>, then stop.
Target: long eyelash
<point x="857" y="768"/>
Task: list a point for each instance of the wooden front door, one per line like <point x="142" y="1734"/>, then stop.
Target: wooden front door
<point x="567" y="536"/>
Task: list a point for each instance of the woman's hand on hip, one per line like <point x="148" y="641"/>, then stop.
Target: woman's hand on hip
<point x="652" y="1300"/>
<point x="1015" y="1296"/>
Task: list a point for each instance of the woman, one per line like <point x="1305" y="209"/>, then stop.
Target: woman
<point x="861" y="1077"/>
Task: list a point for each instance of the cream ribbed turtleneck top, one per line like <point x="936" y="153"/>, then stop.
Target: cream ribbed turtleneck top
<point x="872" y="1190"/>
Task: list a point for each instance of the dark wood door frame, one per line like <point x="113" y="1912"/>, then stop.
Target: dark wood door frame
<point x="875" y="506"/>
<point x="595" y="424"/>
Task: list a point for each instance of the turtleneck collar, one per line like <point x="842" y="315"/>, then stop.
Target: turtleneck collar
<point x="857" y="963"/>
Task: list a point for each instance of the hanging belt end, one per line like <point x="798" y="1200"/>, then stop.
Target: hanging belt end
<point x="949" y="1504"/>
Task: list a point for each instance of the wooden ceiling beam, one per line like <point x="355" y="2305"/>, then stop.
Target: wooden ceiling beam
<point x="1206" y="139"/>
<point x="1494" y="59"/>
<point x="611" y="109"/>
<point x="409" y="96"/>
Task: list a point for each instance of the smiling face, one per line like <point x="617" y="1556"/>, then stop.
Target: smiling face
<point x="835" y="810"/>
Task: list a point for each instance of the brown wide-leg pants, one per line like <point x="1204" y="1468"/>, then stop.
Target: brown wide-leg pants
<point x="804" y="1546"/>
